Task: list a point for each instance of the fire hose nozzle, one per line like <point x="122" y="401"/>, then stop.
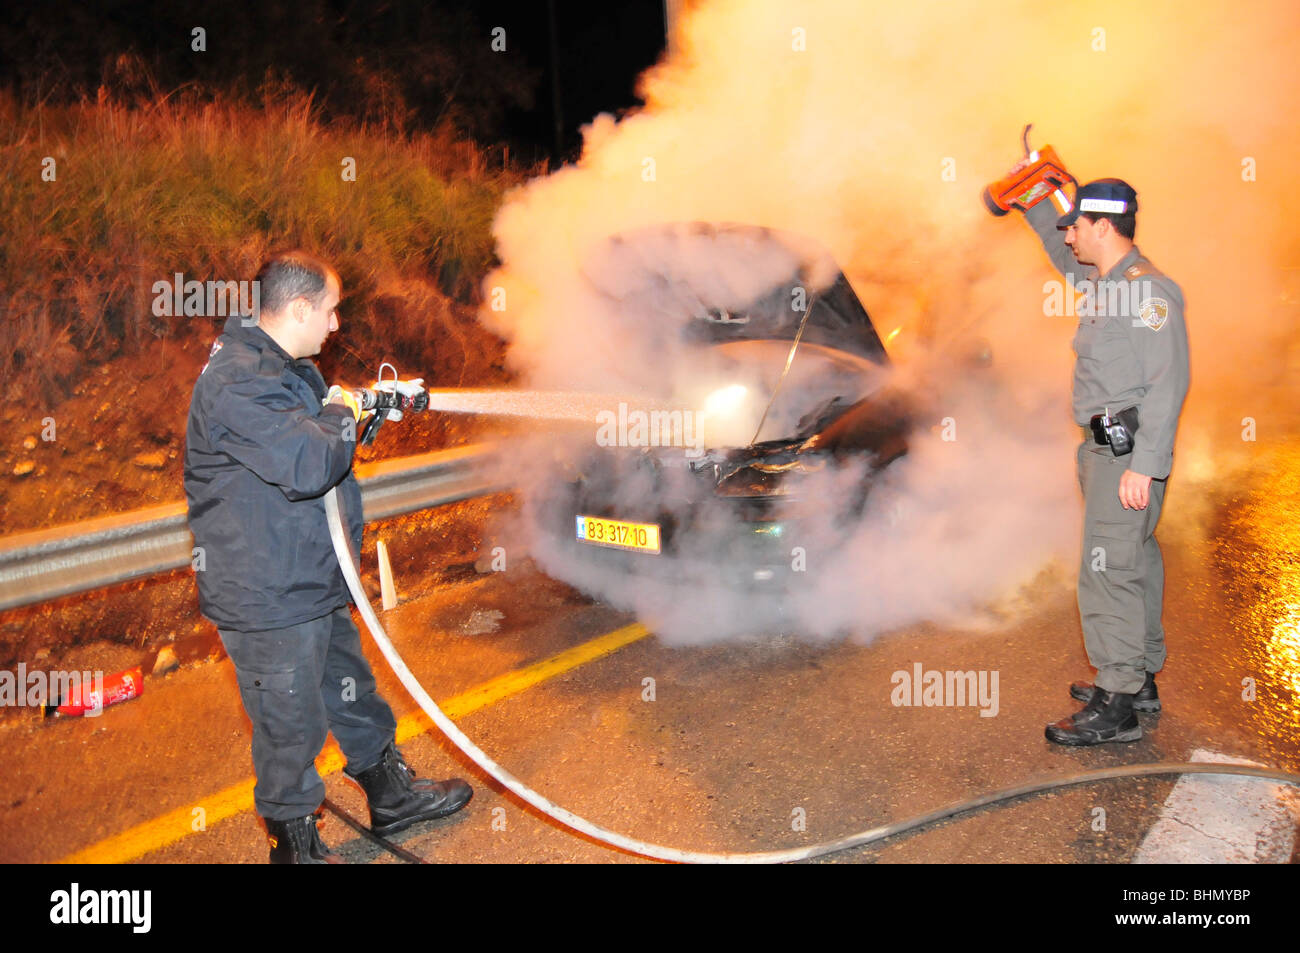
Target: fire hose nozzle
<point x="381" y="402"/>
<point x="385" y="400"/>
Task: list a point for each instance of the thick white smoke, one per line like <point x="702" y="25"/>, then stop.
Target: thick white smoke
<point x="872" y="128"/>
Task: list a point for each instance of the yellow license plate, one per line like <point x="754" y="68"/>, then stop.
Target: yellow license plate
<point x="641" y="537"/>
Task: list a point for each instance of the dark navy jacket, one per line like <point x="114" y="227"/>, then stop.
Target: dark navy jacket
<point x="260" y="453"/>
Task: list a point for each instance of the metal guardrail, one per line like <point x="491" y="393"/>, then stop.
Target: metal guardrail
<point x="45" y="564"/>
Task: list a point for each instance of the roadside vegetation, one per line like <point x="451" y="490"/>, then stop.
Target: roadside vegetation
<point x="102" y="199"/>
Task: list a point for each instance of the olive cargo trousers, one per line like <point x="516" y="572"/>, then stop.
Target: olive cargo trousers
<point x="1121" y="575"/>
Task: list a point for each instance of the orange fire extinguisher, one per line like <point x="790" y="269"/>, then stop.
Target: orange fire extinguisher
<point x="1044" y="177"/>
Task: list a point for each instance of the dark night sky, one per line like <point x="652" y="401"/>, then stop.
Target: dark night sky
<point x="438" y="52"/>
<point x="603" y="47"/>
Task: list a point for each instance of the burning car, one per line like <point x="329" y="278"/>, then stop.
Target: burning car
<point x="786" y="375"/>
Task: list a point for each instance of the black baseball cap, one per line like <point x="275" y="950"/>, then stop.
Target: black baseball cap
<point x="1104" y="196"/>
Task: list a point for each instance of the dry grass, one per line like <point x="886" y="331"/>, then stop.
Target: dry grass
<point x="206" y="188"/>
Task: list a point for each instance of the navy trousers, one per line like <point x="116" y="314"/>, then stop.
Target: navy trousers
<point x="297" y="684"/>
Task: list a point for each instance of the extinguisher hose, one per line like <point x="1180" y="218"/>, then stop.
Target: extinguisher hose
<point x="659" y="852"/>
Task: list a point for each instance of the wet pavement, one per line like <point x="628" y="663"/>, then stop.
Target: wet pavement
<point x="756" y="745"/>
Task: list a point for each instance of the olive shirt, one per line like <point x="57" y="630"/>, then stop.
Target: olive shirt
<point x="1131" y="344"/>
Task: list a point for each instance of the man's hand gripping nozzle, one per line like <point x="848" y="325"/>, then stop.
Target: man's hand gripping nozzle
<point x="387" y="399"/>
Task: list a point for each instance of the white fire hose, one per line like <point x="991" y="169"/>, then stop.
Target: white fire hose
<point x="342" y="550"/>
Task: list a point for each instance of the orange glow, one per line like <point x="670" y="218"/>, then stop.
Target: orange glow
<point x="1270" y="578"/>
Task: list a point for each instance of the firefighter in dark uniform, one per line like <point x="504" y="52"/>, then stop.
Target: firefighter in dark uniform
<point x="265" y="442"/>
<point x="1130" y="379"/>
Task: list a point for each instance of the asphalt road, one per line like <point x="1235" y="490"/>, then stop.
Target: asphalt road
<point x="752" y="745"/>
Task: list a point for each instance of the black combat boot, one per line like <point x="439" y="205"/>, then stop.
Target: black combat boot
<point x="1147" y="698"/>
<point x="1107" y="717"/>
<point x="398" y="800"/>
<point x="426" y="785"/>
<point x="298" y="842"/>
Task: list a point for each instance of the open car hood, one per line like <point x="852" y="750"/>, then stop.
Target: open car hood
<point x="726" y="282"/>
<point x="733" y="288"/>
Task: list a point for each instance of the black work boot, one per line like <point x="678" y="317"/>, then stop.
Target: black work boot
<point x="298" y="842"/>
<point x="1146" y="699"/>
<point x="1108" y="716"/>
<point x="420" y="784"/>
<point x="397" y="800"/>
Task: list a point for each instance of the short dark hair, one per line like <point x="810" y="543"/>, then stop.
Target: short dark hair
<point x="289" y="275"/>
<point x="1125" y="223"/>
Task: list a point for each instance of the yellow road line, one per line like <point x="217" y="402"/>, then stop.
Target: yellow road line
<point x="175" y="825"/>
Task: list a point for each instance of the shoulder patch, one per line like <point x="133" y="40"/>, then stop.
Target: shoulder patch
<point x="1141" y="269"/>
<point x="1154" y="312"/>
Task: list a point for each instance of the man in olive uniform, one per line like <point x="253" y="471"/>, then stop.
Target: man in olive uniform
<point x="1131" y="347"/>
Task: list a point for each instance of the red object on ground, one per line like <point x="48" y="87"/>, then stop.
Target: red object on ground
<point x="119" y="687"/>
